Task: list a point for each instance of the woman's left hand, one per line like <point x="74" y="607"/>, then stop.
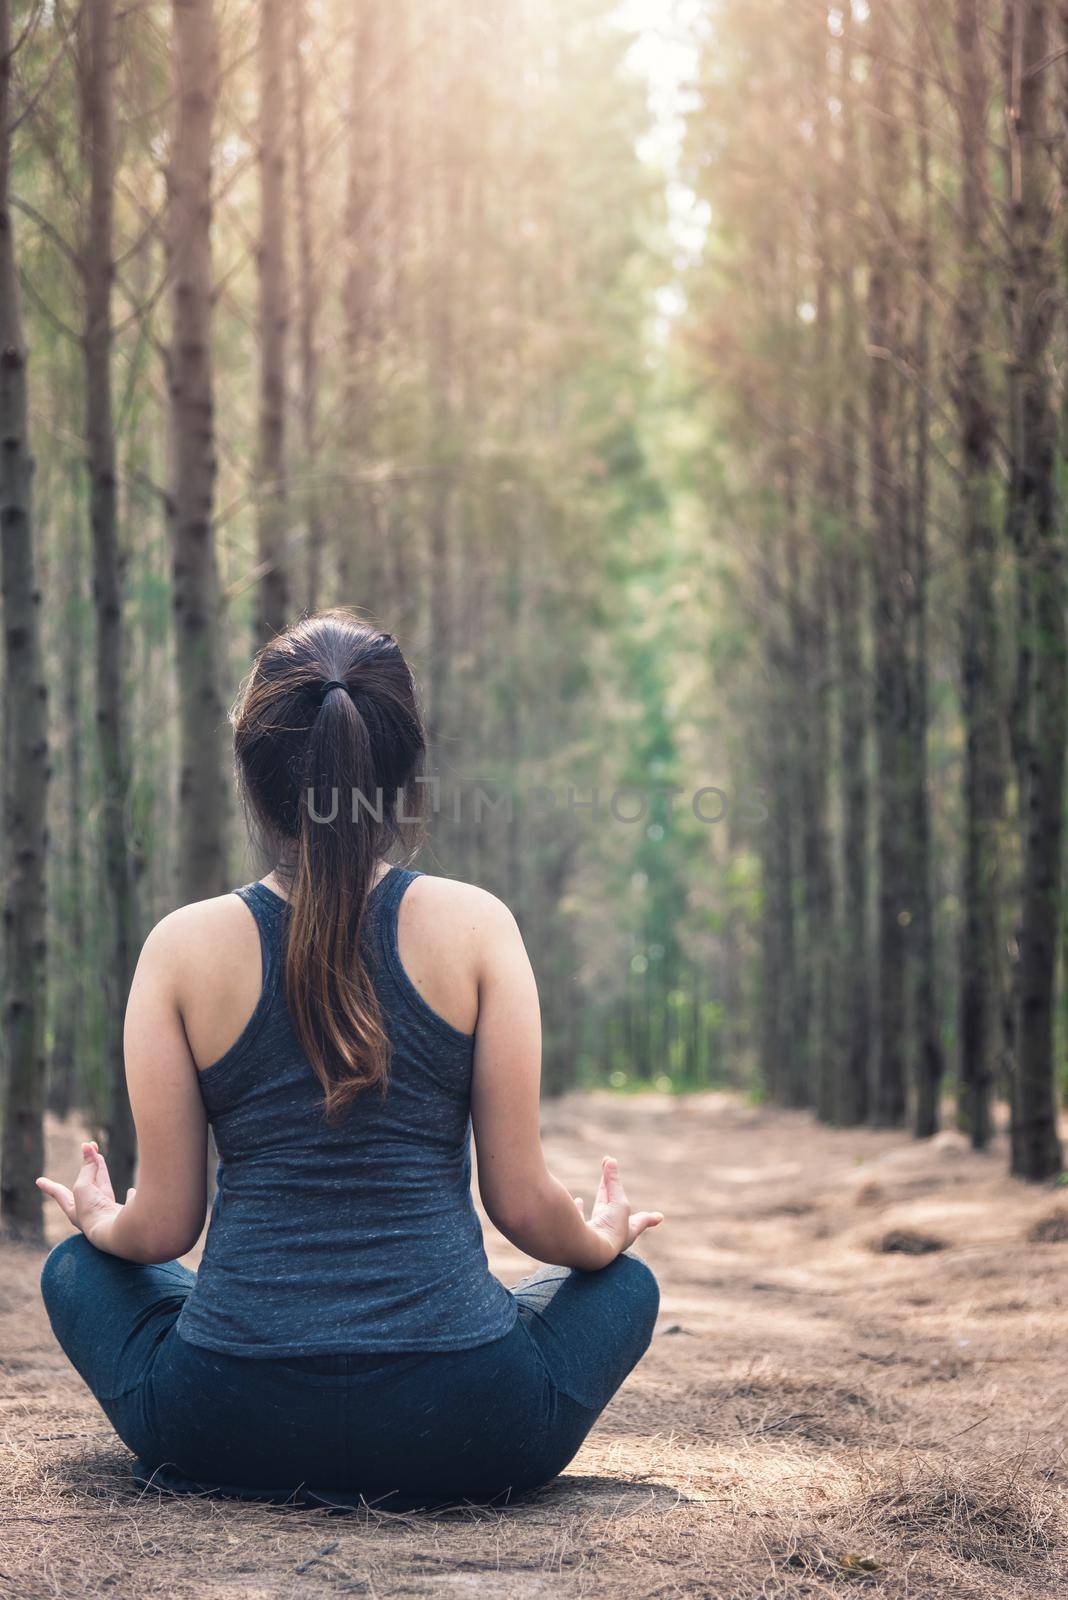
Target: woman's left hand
<point x="91" y="1205"/>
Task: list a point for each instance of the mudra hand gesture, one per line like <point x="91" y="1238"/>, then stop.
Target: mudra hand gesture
<point x="91" y="1204"/>
<point x="611" y="1216"/>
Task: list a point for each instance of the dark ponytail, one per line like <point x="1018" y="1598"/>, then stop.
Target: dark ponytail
<point x="329" y="743"/>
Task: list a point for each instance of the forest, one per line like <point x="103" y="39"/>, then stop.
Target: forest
<point x="709" y="468"/>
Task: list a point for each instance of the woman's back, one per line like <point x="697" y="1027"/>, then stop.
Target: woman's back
<point x="348" y="1236"/>
<point x="346" y="1032"/>
<point x="217" y="945"/>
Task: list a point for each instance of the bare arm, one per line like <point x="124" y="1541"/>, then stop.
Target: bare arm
<point x="523" y="1199"/>
<point x="163" y="1217"/>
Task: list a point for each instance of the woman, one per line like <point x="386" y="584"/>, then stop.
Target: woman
<point x="341" y="1026"/>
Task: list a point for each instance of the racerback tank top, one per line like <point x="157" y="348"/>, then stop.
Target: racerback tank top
<point x="348" y="1238"/>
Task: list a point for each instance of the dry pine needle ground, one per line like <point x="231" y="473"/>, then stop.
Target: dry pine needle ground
<point x="819" y="1414"/>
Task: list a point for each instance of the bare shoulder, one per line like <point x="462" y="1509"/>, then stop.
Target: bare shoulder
<point x="463" y="911"/>
<point x="456" y="937"/>
<point x="198" y="936"/>
<point x="205" y="960"/>
<point x="186" y="924"/>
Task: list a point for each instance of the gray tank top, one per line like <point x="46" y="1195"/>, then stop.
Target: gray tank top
<point x="359" y="1237"/>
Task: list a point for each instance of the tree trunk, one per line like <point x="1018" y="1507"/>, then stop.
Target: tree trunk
<point x="25" y="741"/>
<point x="272" y="596"/>
<point x="784" y="1060"/>
<point x="927" y="1045"/>
<point x="891" y="730"/>
<point x="819" y="878"/>
<point x="308" y="294"/>
<point x="360" y="561"/>
<point x="796" y="760"/>
<point x="111" y="721"/>
<point x="982" y="796"/>
<point x="781" y="1057"/>
<point x="441" y="332"/>
<point x="68" y="1007"/>
<point x="202" y="795"/>
<point x="853" y="697"/>
<point x="1036" y="1152"/>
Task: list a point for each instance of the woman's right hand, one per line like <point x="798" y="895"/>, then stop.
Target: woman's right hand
<point x="91" y="1204"/>
<point x="612" y="1219"/>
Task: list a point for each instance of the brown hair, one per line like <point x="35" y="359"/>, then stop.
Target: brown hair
<point x="329" y="742"/>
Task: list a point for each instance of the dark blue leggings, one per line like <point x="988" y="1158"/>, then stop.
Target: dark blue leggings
<point x="396" y="1430"/>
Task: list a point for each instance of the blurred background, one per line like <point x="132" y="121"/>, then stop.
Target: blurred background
<point x="683" y="384"/>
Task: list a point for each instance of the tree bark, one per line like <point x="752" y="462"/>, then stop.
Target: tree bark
<point x="360" y="560"/>
<point x="272" y="596"/>
<point x="928" y="1064"/>
<point x="67" y="999"/>
<point x="819" y="878"/>
<point x="202" y="795"/>
<point x="853" y="696"/>
<point x="982" y="782"/>
<point x="111" y="719"/>
<point x="442" y="361"/>
<point x="795" y="764"/>
<point x="1036" y="1152"/>
<point x="782" y="1059"/>
<point x="308" y="294"/>
<point x="25" y="740"/>
<point x="891" y="730"/>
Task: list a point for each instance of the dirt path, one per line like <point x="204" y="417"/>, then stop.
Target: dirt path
<point x="815" y="1413"/>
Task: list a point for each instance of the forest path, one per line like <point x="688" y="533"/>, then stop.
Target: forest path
<point x="814" y="1414"/>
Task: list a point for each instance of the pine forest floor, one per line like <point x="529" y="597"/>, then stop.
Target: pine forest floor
<point x="859" y="1382"/>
